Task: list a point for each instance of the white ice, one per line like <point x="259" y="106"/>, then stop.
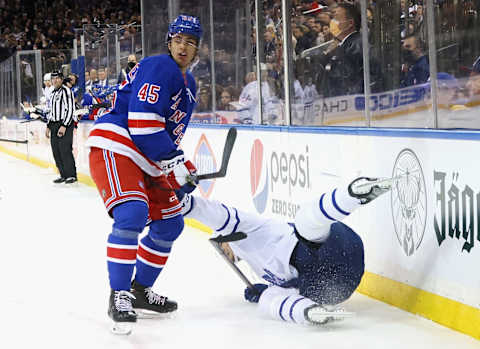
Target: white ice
<point x="54" y="286"/>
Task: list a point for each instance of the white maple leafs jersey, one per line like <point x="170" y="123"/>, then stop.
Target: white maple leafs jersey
<point x="248" y="101"/>
<point x="268" y="245"/>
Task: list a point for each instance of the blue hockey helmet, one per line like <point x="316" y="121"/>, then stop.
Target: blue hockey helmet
<point x="185" y="24"/>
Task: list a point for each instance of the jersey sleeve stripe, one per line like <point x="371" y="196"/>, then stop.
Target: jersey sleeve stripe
<point x="134" y="115"/>
<point x="145" y="123"/>
<point x="145" y="127"/>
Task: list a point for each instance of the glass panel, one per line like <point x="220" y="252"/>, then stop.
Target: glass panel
<point x="271" y="65"/>
<point x="458" y="52"/>
<point x="8" y="101"/>
<point x="28" y="80"/>
<point x="56" y="60"/>
<point x="155" y="23"/>
<point x="399" y="65"/>
<point x="234" y="59"/>
<point x="328" y="60"/>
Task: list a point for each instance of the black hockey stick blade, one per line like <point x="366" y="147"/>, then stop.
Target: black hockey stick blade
<point x="237" y="236"/>
<point x="13" y="141"/>
<point x="227" y="151"/>
<point x="236" y="269"/>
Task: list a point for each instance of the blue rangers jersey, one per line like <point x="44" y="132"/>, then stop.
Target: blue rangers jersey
<point x="149" y="115"/>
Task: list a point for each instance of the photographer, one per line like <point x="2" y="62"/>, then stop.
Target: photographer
<point x="60" y="129"/>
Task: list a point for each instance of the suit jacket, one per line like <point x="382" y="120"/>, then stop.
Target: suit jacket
<point x="343" y="68"/>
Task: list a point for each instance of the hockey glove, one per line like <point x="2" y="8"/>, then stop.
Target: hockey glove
<point x="179" y="172"/>
<point x="253" y="294"/>
<point x="186" y="200"/>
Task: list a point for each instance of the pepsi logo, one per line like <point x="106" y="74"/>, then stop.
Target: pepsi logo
<point x="258" y="176"/>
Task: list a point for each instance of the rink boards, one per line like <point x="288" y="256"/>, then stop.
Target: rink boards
<point x="421" y="240"/>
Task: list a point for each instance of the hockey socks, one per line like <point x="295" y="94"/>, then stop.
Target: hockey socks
<point x="151" y="259"/>
<point x="121" y="259"/>
<point x="314" y="218"/>
<point x="284" y="304"/>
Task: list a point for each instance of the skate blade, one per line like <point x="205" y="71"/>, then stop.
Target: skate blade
<point x="382" y="183"/>
<point x="321" y="316"/>
<point x="121" y="328"/>
<point x="147" y="314"/>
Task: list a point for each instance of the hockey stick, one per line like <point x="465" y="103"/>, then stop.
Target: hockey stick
<point x="13" y="141"/>
<point x="236" y="269"/>
<point x="227" y="151"/>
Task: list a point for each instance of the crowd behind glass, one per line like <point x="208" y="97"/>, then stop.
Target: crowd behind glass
<point x="326" y="52"/>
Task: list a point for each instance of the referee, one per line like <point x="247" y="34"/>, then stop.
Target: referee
<point x="60" y="129"/>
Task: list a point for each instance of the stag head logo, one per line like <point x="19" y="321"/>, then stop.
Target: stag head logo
<point x="409" y="201"/>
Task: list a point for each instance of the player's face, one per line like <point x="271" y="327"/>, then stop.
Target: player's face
<point x="183" y="48"/>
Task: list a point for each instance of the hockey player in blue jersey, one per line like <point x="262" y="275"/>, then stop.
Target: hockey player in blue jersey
<point x="310" y="265"/>
<point x="136" y="164"/>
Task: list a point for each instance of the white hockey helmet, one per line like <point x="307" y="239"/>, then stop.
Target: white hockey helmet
<point x="47" y="77"/>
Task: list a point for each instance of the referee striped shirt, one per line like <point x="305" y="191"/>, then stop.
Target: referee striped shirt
<point x="63" y="106"/>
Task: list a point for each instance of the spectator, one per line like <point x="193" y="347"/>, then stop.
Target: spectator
<point x="71" y="83"/>
<point x="343" y="62"/>
<point x="102" y="78"/>
<point x="415" y="69"/>
<point x="93" y="76"/>
<point x="131" y="62"/>
<point x="226" y="97"/>
<point x="88" y="82"/>
<point x="201" y="68"/>
<point x="204" y="100"/>
<point x="326" y="35"/>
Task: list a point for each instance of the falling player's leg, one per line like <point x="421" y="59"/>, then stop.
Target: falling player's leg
<point x="286" y="304"/>
<point x="329" y="256"/>
<point x="314" y="218"/>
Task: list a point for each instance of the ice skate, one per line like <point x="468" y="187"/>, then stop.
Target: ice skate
<point x="59" y="180"/>
<point x="121" y="312"/>
<point x="150" y="305"/>
<point x="71" y="180"/>
<point x="320" y="315"/>
<point x="367" y="189"/>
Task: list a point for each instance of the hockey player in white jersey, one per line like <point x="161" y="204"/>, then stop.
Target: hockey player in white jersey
<point x="310" y="265"/>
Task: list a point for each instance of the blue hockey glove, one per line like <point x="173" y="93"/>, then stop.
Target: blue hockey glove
<point x="253" y="295"/>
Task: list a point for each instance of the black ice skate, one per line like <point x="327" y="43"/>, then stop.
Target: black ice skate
<point x="317" y="314"/>
<point x="59" y="180"/>
<point x="121" y="311"/>
<point x="71" y="180"/>
<point x="149" y="304"/>
<point x="367" y="189"/>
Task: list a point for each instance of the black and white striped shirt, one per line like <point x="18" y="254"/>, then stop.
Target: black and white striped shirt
<point x="62" y="106"/>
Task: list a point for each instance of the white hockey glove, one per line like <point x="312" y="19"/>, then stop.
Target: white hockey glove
<point x="178" y="171"/>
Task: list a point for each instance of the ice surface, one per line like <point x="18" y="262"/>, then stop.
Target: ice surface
<point x="54" y="286"/>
